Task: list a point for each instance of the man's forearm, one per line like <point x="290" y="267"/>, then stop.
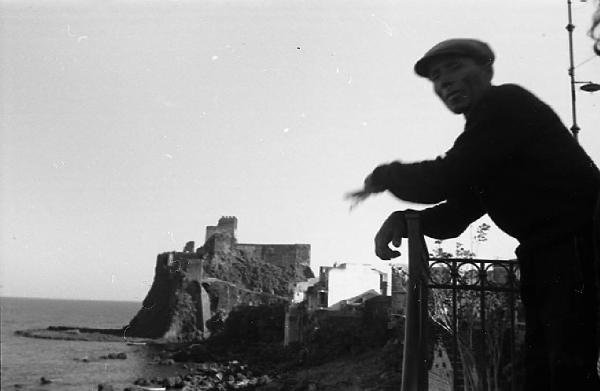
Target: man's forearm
<point x="449" y="219"/>
<point x="414" y="182"/>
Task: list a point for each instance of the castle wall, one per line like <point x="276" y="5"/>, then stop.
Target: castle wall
<point x="194" y="269"/>
<point x="296" y="319"/>
<point x="221" y="238"/>
<point x="227" y="296"/>
<point x="219" y="243"/>
<point x="282" y="255"/>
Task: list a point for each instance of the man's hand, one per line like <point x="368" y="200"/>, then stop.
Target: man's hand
<point x="358" y="196"/>
<point x="392" y="231"/>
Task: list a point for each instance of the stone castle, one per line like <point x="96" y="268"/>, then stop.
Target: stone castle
<point x="196" y="285"/>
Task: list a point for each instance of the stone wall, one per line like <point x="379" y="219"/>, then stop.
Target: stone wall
<point x="283" y="255"/>
<point x="220" y="242"/>
<point x="226" y="296"/>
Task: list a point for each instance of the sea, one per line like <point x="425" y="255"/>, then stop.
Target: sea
<point x="26" y="360"/>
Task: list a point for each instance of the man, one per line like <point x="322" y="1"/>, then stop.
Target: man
<point x="518" y="163"/>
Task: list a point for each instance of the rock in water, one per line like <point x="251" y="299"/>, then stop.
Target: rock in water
<point x="115" y="356"/>
<point x="44" y="381"/>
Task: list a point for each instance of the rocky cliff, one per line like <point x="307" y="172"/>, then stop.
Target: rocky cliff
<point x="191" y="288"/>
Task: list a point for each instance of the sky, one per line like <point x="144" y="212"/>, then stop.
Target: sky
<point x="126" y="127"/>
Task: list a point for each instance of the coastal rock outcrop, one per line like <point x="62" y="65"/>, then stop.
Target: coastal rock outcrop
<point x="193" y="290"/>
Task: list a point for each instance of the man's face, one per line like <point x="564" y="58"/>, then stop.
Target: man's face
<point x="459" y="82"/>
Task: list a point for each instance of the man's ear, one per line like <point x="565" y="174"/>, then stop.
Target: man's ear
<point x="489" y="70"/>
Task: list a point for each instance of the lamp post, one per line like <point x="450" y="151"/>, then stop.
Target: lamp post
<point x="587" y="85"/>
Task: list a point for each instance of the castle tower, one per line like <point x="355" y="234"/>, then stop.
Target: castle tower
<point x="227" y="225"/>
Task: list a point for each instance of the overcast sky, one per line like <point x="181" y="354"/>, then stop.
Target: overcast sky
<point x="128" y="126"/>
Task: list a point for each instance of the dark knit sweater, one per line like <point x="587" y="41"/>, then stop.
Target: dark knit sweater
<point x="515" y="160"/>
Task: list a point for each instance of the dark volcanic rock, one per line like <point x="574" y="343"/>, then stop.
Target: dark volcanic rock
<point x="210" y="376"/>
<point x="142" y="381"/>
<point x="115" y="356"/>
<point x="172" y="382"/>
<point x="43" y="380"/>
<point x="166" y="361"/>
<point x="172" y="300"/>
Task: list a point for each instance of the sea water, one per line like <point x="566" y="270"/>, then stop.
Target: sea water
<point x="26" y="360"/>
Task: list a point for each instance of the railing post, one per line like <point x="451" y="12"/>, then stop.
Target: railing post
<point x="513" y="327"/>
<point x="424" y="320"/>
<point x="455" y="353"/>
<point x="482" y="337"/>
<point x="414" y="366"/>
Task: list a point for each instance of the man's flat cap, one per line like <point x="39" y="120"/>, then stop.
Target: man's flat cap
<point x="479" y="51"/>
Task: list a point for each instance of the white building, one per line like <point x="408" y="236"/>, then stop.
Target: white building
<point x="348" y="280"/>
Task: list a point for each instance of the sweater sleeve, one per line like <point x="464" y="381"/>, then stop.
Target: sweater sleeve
<point x="497" y="128"/>
<point x="450" y="218"/>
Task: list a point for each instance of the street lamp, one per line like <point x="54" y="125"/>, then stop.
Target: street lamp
<point x="587" y="85"/>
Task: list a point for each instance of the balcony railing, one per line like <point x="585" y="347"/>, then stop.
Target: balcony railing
<point x="458" y="295"/>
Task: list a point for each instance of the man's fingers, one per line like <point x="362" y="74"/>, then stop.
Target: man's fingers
<point x="382" y="247"/>
<point x="383" y="254"/>
<point x="355" y="201"/>
<point x="391" y="232"/>
<point x="386" y="254"/>
<point x="356" y="197"/>
<point x="397" y="238"/>
<point x="354" y="194"/>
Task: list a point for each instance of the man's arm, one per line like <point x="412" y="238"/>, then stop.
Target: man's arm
<point x="500" y="126"/>
<point x="451" y="218"/>
<point x="446" y="220"/>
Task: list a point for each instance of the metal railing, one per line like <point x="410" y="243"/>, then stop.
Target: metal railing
<point x="438" y="291"/>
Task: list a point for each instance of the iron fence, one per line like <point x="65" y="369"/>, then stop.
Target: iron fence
<point x="474" y="305"/>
